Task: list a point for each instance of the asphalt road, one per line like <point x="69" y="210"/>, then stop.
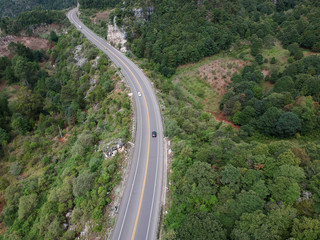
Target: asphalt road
<point x="139" y="211"/>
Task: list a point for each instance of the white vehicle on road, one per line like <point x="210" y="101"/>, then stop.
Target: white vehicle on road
<point x="80" y="27"/>
<point x="140" y="206"/>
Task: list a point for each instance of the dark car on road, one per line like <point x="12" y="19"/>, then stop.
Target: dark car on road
<point x="154" y="134"/>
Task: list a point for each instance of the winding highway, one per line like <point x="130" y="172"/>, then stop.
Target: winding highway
<point x="139" y="211"/>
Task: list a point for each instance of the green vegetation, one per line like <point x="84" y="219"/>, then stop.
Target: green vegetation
<point x="252" y="186"/>
<point x="288" y="108"/>
<point x="258" y="181"/>
<point x="69" y="103"/>
<point x="240" y="183"/>
<point x="13" y="8"/>
<point x="226" y="183"/>
<point x="161" y="35"/>
<point x="100" y="28"/>
<point x="97" y="4"/>
<point x="28" y="20"/>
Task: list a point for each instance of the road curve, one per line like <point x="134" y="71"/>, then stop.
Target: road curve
<point x="139" y="211"/>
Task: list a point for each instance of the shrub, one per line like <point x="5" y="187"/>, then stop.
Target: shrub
<point x="3" y="184"/>
<point x="97" y="213"/>
<point x="46" y="160"/>
<point x="69" y="235"/>
<point x="77" y="149"/>
<point x="76" y="215"/>
<point x="54" y="229"/>
<point x="53" y="36"/>
<point x="93" y="53"/>
<point x="290" y="60"/>
<point x="3" y="136"/>
<point x="62" y="194"/>
<point x="298" y="55"/>
<point x="259" y="59"/>
<point x="284" y="84"/>
<point x="288" y="124"/>
<point x="267" y="122"/>
<point x="20" y="123"/>
<point x="171" y="128"/>
<point x="26" y="205"/>
<point x="95" y="163"/>
<point x="83" y="183"/>
<point x="12" y="194"/>
<point x="8" y="215"/>
<point x="84" y="142"/>
<point x="15" y="169"/>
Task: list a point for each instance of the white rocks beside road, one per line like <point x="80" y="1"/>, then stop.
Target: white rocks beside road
<point x="116" y="36"/>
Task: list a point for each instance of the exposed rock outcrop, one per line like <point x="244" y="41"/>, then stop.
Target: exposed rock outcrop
<point x="116" y="36"/>
<point x="141" y="13"/>
<point x="78" y="56"/>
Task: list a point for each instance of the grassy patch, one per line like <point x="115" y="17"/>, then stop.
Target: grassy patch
<point x="279" y="53"/>
<point x="266" y="86"/>
<point x="96" y="20"/>
<point x="199" y="88"/>
<point x="11" y="92"/>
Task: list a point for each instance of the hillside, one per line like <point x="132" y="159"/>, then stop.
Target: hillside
<point x="65" y="119"/>
<point x="10" y="8"/>
<point x="232" y="182"/>
<point x="242" y="124"/>
<point x="27" y="22"/>
<point x="241" y="118"/>
<point x="239" y="84"/>
<point x="174" y="32"/>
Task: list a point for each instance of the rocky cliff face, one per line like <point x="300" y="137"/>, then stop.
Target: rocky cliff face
<point x="116" y="36"/>
<point x="141" y="13"/>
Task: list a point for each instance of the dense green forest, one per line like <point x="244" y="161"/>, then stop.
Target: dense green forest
<point x="180" y="31"/>
<point x="258" y="182"/>
<point x="9" y="8"/>
<point x="97" y="4"/>
<point x="248" y="183"/>
<point x="58" y="112"/>
<point x="27" y="20"/>
<point x="289" y="107"/>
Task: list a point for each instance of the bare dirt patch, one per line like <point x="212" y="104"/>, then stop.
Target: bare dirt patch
<point x="100" y="16"/>
<point x="34" y="43"/>
<point x="47" y="28"/>
<point x="222" y="118"/>
<point x="265" y="72"/>
<point x="267" y="86"/>
<point x="219" y="72"/>
<point x="310" y="53"/>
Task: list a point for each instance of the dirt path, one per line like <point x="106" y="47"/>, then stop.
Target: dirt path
<point x="222" y="118"/>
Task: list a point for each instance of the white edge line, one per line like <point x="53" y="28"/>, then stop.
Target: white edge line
<point x="156" y="177"/>
<point x="135" y="174"/>
<point x="154" y="189"/>
<point x="134" y="178"/>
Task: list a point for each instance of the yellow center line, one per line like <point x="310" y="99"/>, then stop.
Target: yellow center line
<point x="147" y="163"/>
